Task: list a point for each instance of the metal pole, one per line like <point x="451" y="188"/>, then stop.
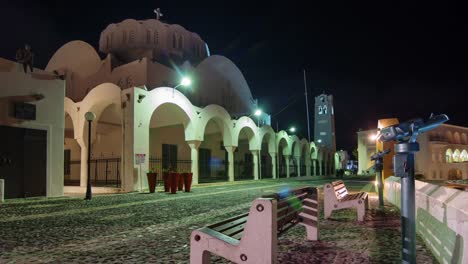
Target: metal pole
<point x="404" y="165"/>
<point x="88" y="185"/>
<point x="380" y="188"/>
<point x="307" y="106"/>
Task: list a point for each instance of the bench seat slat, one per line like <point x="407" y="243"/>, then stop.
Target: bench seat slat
<point x="228" y="221"/>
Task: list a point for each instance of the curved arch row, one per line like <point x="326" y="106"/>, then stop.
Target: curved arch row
<point x="160" y="128"/>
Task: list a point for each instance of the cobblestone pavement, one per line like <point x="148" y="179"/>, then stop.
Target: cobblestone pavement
<point x="155" y="228"/>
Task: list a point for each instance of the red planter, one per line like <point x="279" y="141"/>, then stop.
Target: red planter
<point x="174" y="179"/>
<point x="166" y="181"/>
<point x="188" y="181"/>
<point x="181" y="181"/>
<point x="152" y="181"/>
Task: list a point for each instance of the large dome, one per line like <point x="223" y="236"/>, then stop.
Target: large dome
<point x="131" y="40"/>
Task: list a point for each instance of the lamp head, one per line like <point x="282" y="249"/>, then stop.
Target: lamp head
<point x="258" y="112"/>
<point x="90" y="116"/>
<point x="186" y="81"/>
<point x="292" y="129"/>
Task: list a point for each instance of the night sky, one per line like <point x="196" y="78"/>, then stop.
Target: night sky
<point x="379" y="60"/>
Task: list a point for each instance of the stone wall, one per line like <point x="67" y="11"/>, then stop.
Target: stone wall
<point x="441" y="218"/>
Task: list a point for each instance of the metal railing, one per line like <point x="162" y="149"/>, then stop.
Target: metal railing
<point x="156" y="165"/>
<point x="104" y="172"/>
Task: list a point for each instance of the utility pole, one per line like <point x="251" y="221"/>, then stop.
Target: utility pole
<point x="307" y="106"/>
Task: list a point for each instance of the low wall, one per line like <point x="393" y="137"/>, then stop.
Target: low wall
<point x="441" y="218"/>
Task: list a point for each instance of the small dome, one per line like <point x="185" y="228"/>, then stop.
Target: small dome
<point x="131" y="40"/>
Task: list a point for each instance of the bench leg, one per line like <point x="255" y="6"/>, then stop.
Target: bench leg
<point x="198" y="253"/>
<point x="327" y="211"/>
<point x="361" y="210"/>
<point x="312" y="232"/>
<point x="367" y="203"/>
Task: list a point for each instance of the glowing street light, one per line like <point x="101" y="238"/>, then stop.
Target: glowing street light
<point x="373" y="137"/>
<point x="184" y="82"/>
<point x="292" y="129"/>
<point x="258" y="112"/>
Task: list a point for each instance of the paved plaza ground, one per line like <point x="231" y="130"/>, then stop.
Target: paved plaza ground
<point x="155" y="228"/>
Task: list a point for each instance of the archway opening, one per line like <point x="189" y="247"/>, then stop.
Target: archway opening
<point x="71" y="155"/>
<point x="293" y="168"/>
<point x="455" y="174"/>
<point x="304" y="161"/>
<point x="168" y="149"/>
<point x="213" y="163"/>
<point x="282" y="149"/>
<point x="464" y="156"/>
<point x="456" y="156"/>
<point x="448" y="156"/>
<point x="266" y="162"/>
<point x="243" y="158"/>
<point x="107" y="148"/>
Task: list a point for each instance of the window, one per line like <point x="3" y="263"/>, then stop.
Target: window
<point x="131" y="36"/>
<point x="124" y="37"/>
<point x="325" y="109"/>
<point x="320" y="110"/>
<point x="181" y="42"/>
<point x="156" y="37"/>
<point x="148" y="37"/>
<point x="174" y="41"/>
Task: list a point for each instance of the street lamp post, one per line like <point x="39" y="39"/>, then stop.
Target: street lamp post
<point x="89" y="116"/>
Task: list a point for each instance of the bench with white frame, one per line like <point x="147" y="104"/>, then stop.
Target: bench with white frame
<point x="336" y="197"/>
<point x="253" y="237"/>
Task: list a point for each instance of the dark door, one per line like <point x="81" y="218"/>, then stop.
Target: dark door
<point x="25" y="151"/>
<point x="169" y="156"/>
<point x="204" y="169"/>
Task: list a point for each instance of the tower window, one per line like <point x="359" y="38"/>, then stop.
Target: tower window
<point x="325" y="109"/>
<point x="155" y="37"/>
<point x="148" y="37"/>
<point x="124" y="37"/>
<point x="320" y="110"/>
<point x="181" y="42"/>
<point x="174" y="41"/>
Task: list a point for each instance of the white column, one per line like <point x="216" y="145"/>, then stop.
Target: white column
<point x="84" y="165"/>
<point x="286" y="158"/>
<point x="273" y="164"/>
<point x="194" y="145"/>
<point x="255" y="163"/>
<point x="298" y="165"/>
<point x="307" y="165"/>
<point x="230" y="150"/>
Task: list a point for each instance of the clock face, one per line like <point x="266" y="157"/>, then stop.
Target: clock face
<point x="25" y="111"/>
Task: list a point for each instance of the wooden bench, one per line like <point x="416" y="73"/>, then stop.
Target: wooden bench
<point x="253" y="237"/>
<point x="336" y="197"/>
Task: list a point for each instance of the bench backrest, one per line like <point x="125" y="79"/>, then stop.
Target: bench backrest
<point x="288" y="205"/>
<point x="291" y="203"/>
<point x="340" y="189"/>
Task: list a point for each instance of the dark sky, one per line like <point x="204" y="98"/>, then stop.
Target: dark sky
<point x="379" y="59"/>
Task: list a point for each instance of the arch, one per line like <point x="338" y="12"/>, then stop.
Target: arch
<point x="305" y="150"/>
<point x="295" y="145"/>
<point x="169" y="100"/>
<point x="71" y="110"/>
<point x="313" y="151"/>
<point x="464" y="156"/>
<point x="221" y="117"/>
<point x="449" y="136"/>
<point x="270" y="133"/>
<point x="464" y="139"/>
<point x="456" y="155"/>
<point x="282" y="138"/>
<point x="449" y="156"/>
<point x="248" y="125"/>
<point x="456" y="138"/>
<point x="96" y="101"/>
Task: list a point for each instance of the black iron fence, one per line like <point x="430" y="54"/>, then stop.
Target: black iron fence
<point x="303" y="170"/>
<point x="243" y="170"/>
<point x="104" y="172"/>
<point x="159" y="166"/>
<point x="267" y="170"/>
